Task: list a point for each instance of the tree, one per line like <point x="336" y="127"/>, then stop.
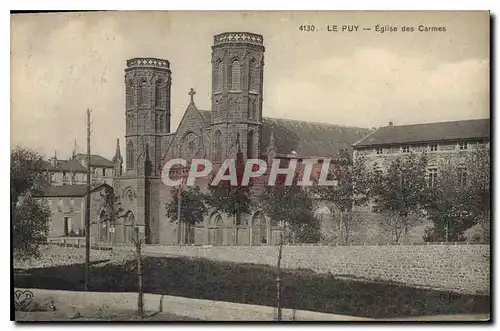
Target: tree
<point x="232" y="200"/>
<point x="112" y="208"/>
<point x="292" y="206"/>
<point x="352" y="190"/>
<point x="30" y="215"/>
<point x="460" y="198"/>
<point x="400" y="193"/>
<point x="193" y="208"/>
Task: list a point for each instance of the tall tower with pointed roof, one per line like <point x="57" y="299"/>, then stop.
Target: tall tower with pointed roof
<point x="237" y="85"/>
<point x="118" y="160"/>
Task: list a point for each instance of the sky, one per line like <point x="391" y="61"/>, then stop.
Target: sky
<point x="64" y="63"/>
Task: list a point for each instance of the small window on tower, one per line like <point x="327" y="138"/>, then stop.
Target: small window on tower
<point x="219" y="76"/>
<point x="160" y="96"/>
<point x="235" y="76"/>
<point x="143" y="97"/>
<point x="130" y="95"/>
<point x="253" y="76"/>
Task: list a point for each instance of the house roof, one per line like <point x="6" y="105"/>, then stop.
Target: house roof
<point x="308" y="139"/>
<point x="96" y="160"/>
<point x="65" y="165"/>
<point x="430" y="132"/>
<point x="70" y="190"/>
<point x="66" y="191"/>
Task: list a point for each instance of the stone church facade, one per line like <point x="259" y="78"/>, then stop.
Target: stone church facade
<point x="236" y="116"/>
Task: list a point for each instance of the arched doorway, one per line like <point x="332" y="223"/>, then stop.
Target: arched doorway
<point x="259" y="229"/>
<point x="216" y="230"/>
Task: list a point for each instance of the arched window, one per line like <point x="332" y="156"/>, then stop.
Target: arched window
<point x="130" y="95"/>
<point x="250" y="152"/>
<point x="160" y="95"/>
<point x="252" y="79"/>
<point x="235" y="75"/>
<point x="143" y="96"/>
<point x="219" y="76"/>
<point x="217" y="146"/>
<point x="130" y="155"/>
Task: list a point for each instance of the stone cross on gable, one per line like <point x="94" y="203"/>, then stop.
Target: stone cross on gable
<point x="191" y="94"/>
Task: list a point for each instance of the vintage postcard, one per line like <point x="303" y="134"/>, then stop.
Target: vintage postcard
<point x="251" y="166"/>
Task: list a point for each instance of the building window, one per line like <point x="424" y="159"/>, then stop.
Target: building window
<point x="160" y="95"/>
<point x="235" y="76"/>
<point x="432" y="177"/>
<point x="433" y="147"/>
<point x="405" y="149"/>
<point x="68" y="227"/>
<point x="130" y="155"/>
<point x="462" y="145"/>
<point x="253" y="85"/>
<point x="250" y="152"/>
<point x="462" y="176"/>
<point x="143" y="96"/>
<point x="65" y="178"/>
<point x="219" y="76"/>
<point x="103" y="172"/>
<point x="130" y="95"/>
<point x="217" y="146"/>
<point x="379" y="151"/>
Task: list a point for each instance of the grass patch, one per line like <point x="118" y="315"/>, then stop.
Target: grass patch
<point x="256" y="284"/>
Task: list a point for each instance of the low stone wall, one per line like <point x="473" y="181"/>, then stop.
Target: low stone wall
<point x="461" y="268"/>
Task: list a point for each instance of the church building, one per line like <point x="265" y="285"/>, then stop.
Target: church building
<point x="234" y="122"/>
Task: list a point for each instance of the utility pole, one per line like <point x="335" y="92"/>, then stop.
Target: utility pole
<point x="140" y="298"/>
<point x="278" y="279"/>
<point x="87" y="209"/>
<point x="179" y="197"/>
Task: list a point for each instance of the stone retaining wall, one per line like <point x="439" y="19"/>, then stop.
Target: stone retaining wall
<point x="462" y="268"/>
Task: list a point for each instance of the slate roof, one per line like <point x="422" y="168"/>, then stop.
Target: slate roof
<point x="79" y="190"/>
<point x="431" y="132"/>
<point x="96" y="160"/>
<point x="66" y="166"/>
<point x="66" y="191"/>
<point x="308" y="139"/>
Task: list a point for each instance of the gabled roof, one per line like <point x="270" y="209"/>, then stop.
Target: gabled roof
<point x="308" y="139"/>
<point x="65" y="165"/>
<point x="63" y="191"/>
<point x="430" y="132"/>
<point x="95" y="160"/>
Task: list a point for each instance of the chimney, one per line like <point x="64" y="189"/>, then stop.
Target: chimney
<point x="53" y="160"/>
<point x="390" y="123"/>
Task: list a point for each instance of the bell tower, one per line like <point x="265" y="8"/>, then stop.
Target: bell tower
<point x="147" y="93"/>
<point x="237" y="84"/>
<point x="147" y="116"/>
